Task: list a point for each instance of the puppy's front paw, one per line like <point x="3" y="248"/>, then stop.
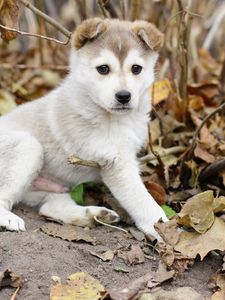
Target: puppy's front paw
<point x="148" y="226"/>
<point x="10" y="221"/>
<point x="103" y="214"/>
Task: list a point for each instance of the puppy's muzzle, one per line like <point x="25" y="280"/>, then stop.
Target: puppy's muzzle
<point x="123" y="97"/>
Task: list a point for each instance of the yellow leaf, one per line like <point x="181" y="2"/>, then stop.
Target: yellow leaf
<point x="79" y="286"/>
<point x="160" y="90"/>
<point x="9" y="13"/>
<point x="7" y="102"/>
<point x="193" y="243"/>
<point x="198" y="211"/>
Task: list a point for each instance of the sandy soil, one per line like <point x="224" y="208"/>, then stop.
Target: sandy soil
<point x="37" y="256"/>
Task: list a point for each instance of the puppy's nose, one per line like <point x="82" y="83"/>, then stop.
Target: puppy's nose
<point x="123" y="97"/>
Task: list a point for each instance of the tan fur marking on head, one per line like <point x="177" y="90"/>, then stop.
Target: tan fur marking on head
<point x="149" y="34"/>
<point x="88" y="30"/>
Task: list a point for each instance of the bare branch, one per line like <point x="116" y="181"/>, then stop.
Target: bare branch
<point x="48" y="19"/>
<point x="35" y="35"/>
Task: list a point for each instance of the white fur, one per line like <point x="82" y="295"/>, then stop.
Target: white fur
<point x="79" y="118"/>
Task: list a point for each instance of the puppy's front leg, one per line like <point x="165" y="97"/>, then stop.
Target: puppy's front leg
<point x="123" y="179"/>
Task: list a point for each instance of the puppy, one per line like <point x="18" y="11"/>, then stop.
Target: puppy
<point x="100" y="112"/>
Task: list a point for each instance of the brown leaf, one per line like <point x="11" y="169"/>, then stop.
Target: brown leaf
<point x="168" y="231"/>
<point x="105" y="256"/>
<point x="207" y="140"/>
<point x="157" y="192"/>
<point x="132" y="257"/>
<point x="198" y="212"/>
<point x="151" y="279"/>
<point x="182" y="293"/>
<point x="9" y="14"/>
<point x="68" y="232"/>
<point x="9" y="278"/>
<point x="193" y="243"/>
<point x="217" y="281"/>
<point x="137" y="234"/>
<point x="203" y="154"/>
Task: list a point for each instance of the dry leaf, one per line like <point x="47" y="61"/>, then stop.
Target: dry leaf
<point x="217" y="281"/>
<point x="68" y="232"/>
<point x="9" y="278"/>
<point x="150" y="279"/>
<point x="157" y="192"/>
<point x="207" y="140"/>
<point x="168" y="231"/>
<point x="203" y="154"/>
<point x="160" y="90"/>
<point x="7" y="102"/>
<point x="105" y="256"/>
<point x="9" y="13"/>
<point x="132" y="257"/>
<point x="198" y="211"/>
<point x="193" y="243"/>
<point x="182" y="293"/>
<point x="137" y="234"/>
<point x="79" y="286"/>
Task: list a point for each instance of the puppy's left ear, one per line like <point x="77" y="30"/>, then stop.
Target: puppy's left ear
<point x="88" y="30"/>
<point x="149" y="34"/>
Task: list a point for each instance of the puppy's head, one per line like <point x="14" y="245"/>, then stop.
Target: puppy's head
<point x="114" y="61"/>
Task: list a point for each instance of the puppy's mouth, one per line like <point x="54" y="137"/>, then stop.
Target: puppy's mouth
<point x="122" y="108"/>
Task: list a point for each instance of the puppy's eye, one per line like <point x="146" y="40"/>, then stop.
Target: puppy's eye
<point x="136" y="69"/>
<point x="104" y="69"/>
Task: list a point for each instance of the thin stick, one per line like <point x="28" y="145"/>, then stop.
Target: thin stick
<point x="102" y="8"/>
<point x="48" y="19"/>
<point x="195" y="136"/>
<point x="35" y="35"/>
<point x="135" y="9"/>
<point x="81" y="162"/>
<point x="43" y="67"/>
<point x="166" y="152"/>
<point x="15" y="293"/>
<point x="123" y="9"/>
<point x="109" y="225"/>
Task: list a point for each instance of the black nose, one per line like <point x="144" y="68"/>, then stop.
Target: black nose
<point x="123" y="97"/>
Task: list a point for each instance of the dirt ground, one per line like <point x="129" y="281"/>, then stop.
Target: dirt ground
<point x="37" y="257"/>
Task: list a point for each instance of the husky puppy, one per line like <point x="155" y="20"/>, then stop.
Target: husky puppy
<point x="100" y="112"/>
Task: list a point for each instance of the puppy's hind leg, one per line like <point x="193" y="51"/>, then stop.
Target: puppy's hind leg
<point x="21" y="157"/>
<point x="61" y="207"/>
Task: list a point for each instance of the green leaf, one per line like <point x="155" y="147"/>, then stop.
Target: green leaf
<point x="168" y="211"/>
<point x="77" y="194"/>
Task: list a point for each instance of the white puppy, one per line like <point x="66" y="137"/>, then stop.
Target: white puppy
<point x="100" y="112"/>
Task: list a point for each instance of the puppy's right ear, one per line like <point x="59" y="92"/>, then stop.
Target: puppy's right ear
<point x="88" y="30"/>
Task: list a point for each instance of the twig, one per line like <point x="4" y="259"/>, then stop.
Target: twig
<point x="15" y="293"/>
<point x="48" y="19"/>
<point x="135" y="9"/>
<point x="102" y="8"/>
<point x="123" y="9"/>
<point x="81" y="162"/>
<point x="205" y="120"/>
<point x="109" y="225"/>
<point x="212" y="33"/>
<point x="43" y="67"/>
<point x="166" y="152"/>
<point x="184" y="28"/>
<point x="34" y="35"/>
<point x="105" y="5"/>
